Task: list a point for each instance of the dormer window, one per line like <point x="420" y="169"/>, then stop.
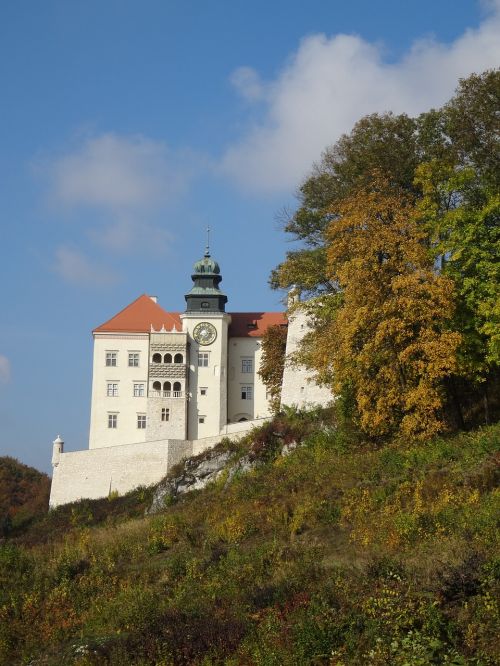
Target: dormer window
<point x="251" y="326"/>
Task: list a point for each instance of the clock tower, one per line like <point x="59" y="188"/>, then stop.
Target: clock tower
<point x="206" y="323"/>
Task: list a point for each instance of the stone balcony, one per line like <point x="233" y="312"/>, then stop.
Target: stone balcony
<point x="167" y="394"/>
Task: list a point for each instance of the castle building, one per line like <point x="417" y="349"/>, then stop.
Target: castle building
<point x="167" y="385"/>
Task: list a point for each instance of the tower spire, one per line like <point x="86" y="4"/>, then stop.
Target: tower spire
<point x="207" y="248"/>
<point x="205" y="295"/>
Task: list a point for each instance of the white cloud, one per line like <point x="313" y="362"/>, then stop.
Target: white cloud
<point x="126" y="180"/>
<point x="117" y="173"/>
<point x="247" y="82"/>
<point x="330" y="82"/>
<point x="74" y="267"/>
<point x="4" y="369"/>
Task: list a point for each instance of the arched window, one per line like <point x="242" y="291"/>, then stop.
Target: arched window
<point x="243" y="419"/>
<point x="156" y="386"/>
<point x="167" y="358"/>
<point x="156" y="358"/>
<point x="167" y="386"/>
<point x="178" y="358"/>
<point x="177" y="387"/>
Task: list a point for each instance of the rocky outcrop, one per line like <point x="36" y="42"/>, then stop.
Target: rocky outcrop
<point x="198" y="472"/>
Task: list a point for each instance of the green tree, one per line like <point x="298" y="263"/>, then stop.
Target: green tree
<point x="460" y="207"/>
<point x="462" y="215"/>
<point x="448" y="161"/>
<point x="273" y="362"/>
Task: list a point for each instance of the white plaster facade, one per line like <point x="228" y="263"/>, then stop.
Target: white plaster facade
<point x="113" y="388"/>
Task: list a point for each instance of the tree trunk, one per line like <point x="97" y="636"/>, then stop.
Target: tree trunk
<point x="456" y="403"/>
<point x="486" y="405"/>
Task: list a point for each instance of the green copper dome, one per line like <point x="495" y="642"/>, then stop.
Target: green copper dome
<point x="205" y="295"/>
<point x="207" y="265"/>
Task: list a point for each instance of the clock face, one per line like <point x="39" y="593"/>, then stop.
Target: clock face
<point x="204" y="333"/>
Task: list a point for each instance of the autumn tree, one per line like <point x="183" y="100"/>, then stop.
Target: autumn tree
<point x="385" y="143"/>
<point x="388" y="339"/>
<point x="447" y="162"/>
<point x="273" y="362"/>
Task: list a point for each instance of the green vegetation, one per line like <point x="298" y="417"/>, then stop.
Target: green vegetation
<point x="399" y="245"/>
<point x="338" y="553"/>
<point x="273" y="363"/>
<point x="24" y="495"/>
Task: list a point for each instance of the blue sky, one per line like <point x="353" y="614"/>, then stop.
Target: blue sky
<point x="127" y="127"/>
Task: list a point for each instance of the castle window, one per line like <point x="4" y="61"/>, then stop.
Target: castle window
<point x="246" y="365"/>
<point x="156" y="358"/>
<point x="167" y="386"/>
<point x="201" y="419"/>
<point x="141" y="421"/>
<point x="156" y="386"/>
<point x="177" y="389"/>
<point x="205" y="305"/>
<point x="167" y="358"/>
<point x="111" y="359"/>
<point x="165" y="414"/>
<point x="203" y="359"/>
<point x="138" y="390"/>
<point x="112" y="390"/>
<point x="203" y="390"/>
<point x="112" y="420"/>
<point x="133" y="359"/>
<point x="246" y="392"/>
<point x="178" y="358"/>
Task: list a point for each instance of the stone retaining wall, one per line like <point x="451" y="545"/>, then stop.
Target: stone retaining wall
<point x="94" y="473"/>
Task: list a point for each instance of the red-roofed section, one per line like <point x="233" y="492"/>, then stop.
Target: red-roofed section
<point x="254" y="324"/>
<point x="139" y="316"/>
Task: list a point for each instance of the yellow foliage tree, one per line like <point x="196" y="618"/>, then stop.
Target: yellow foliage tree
<point x="388" y="339"/>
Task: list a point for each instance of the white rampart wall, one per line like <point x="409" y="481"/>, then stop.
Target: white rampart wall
<point x="299" y="386"/>
<point x="94" y="473"/>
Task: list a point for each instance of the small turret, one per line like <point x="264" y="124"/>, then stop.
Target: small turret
<point x="57" y="449"/>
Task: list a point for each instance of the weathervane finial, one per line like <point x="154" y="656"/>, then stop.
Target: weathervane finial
<point x="207" y="249"/>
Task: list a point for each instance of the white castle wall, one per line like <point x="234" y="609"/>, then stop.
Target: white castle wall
<point x="94" y="473"/>
<point x="258" y="406"/>
<point x="125" y="405"/>
<point x="299" y="386"/>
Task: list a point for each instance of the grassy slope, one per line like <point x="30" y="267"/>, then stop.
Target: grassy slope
<point x="335" y="554"/>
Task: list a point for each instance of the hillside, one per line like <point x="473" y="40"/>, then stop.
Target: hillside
<point x="340" y="552"/>
<point x="24" y="494"/>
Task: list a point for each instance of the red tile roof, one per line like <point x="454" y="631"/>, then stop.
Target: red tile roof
<point x="141" y="314"/>
<point x="254" y="324"/>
